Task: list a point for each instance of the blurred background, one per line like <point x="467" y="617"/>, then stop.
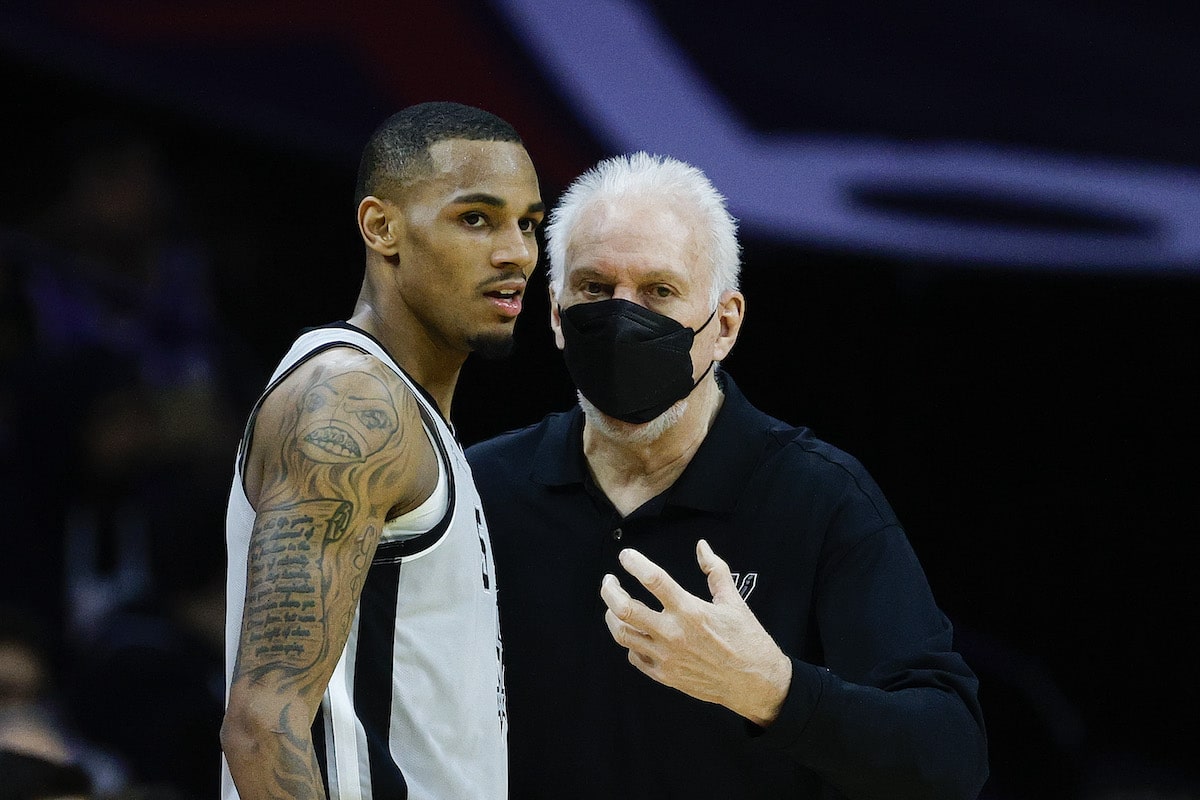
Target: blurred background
<point x="972" y="259"/>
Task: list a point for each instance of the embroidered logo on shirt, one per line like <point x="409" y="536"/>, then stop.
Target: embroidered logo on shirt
<point x="745" y="584"/>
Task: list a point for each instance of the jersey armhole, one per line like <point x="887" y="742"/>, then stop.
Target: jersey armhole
<point x="408" y="548"/>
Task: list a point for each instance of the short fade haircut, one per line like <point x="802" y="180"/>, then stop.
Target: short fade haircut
<point x="398" y="150"/>
<point x="664" y="179"/>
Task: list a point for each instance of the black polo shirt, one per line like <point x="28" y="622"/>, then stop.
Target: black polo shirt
<point x="880" y="705"/>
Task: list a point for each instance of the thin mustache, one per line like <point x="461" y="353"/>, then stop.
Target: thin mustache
<point x="503" y="281"/>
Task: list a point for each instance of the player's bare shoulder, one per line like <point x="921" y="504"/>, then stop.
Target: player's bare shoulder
<point x="341" y="421"/>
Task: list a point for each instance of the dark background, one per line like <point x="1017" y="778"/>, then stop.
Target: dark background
<point x="1034" y="426"/>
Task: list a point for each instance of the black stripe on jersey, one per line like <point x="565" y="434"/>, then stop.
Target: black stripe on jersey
<point x="373" y="677"/>
<point x="318" y="740"/>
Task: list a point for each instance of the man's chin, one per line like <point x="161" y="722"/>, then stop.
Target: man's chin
<point x="493" y="347"/>
<point x="631" y="432"/>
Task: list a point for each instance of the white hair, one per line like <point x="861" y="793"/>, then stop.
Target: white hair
<point x="672" y="182"/>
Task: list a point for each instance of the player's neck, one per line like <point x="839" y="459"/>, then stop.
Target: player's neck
<point x="433" y="366"/>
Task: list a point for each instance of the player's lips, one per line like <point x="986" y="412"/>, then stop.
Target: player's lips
<point x="506" y="297"/>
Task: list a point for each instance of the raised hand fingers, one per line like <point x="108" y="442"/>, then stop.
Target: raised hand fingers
<point x="639" y="644"/>
<point x="623" y="609"/>
<point x="655" y="579"/>
<point x="624" y="634"/>
<point x="720" y="581"/>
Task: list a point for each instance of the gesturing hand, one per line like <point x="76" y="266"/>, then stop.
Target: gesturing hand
<point x="714" y="651"/>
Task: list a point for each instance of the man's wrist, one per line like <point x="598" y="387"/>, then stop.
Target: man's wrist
<point x="777" y="682"/>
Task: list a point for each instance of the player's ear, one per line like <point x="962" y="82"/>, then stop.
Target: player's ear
<point x="378" y="221"/>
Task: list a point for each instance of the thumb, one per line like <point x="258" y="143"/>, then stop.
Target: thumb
<point x="720" y="582"/>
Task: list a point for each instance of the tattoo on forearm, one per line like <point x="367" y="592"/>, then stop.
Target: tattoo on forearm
<point x="297" y="772"/>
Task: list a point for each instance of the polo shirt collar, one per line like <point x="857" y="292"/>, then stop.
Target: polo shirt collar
<point x="559" y="457"/>
<point x="714" y="479"/>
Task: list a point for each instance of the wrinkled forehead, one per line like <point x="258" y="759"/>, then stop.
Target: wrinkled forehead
<point x="635" y="232"/>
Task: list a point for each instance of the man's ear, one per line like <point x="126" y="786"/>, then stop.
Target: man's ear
<point x="731" y="310"/>
<point x="378" y="221"/>
<point x="555" y="319"/>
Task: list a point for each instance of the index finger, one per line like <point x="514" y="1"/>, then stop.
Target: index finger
<point x="654" y="578"/>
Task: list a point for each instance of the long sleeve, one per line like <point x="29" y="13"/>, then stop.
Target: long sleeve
<point x="893" y="712"/>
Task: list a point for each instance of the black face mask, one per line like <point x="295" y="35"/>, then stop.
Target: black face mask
<point x="628" y="361"/>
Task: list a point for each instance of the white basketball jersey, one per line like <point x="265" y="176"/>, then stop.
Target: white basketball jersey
<point x="415" y="708"/>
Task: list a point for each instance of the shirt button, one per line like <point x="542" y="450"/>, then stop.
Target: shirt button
<point x="618" y="533"/>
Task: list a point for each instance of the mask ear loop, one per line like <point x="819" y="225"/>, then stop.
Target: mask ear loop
<point x="710" y="364"/>
<point x="710" y="319"/>
<point x="697" y="383"/>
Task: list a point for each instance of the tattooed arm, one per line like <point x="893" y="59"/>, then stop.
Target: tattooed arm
<point x="337" y="448"/>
